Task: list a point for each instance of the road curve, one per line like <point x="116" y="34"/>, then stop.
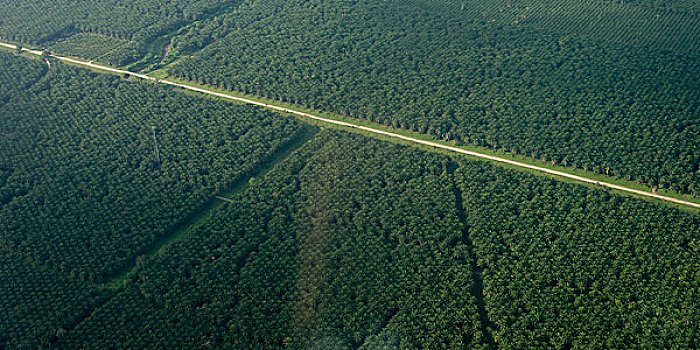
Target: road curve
<point x="371" y="130"/>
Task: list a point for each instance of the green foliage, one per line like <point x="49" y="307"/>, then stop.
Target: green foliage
<point x="41" y="21"/>
<point x="17" y="75"/>
<point x="566" y="267"/>
<point x="543" y="87"/>
<point x="349" y="242"/>
<point x="82" y="190"/>
<point x="118" y="32"/>
<point x="101" y="48"/>
<point x="355" y="243"/>
<point x="38" y="305"/>
<point x="686" y="6"/>
<point x="667" y="25"/>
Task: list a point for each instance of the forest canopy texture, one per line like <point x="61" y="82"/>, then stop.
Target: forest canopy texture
<point x="137" y="215"/>
<point x="346" y="242"/>
<point x="604" y="86"/>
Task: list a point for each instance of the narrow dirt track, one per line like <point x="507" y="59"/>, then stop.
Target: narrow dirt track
<point x="371" y="130"/>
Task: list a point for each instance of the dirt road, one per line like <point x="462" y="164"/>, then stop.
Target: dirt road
<point x="374" y="131"/>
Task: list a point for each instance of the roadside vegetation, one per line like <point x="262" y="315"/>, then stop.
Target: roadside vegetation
<point x="135" y="215"/>
<point x="353" y="243"/>
<point x="566" y="267"/>
<point x="606" y="86"/>
<point x="458" y="73"/>
<point x="118" y="32"/>
<point x="101" y="48"/>
<point x="85" y="192"/>
<point x="40" y="22"/>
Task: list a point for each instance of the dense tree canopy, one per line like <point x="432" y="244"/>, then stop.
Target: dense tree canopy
<point x="38" y="305"/>
<point x="566" y="267"/>
<point x="121" y="32"/>
<point x="82" y="189"/>
<point x="113" y="234"/>
<point x="354" y="243"/>
<point x="41" y="22"/>
<point x="334" y="248"/>
<point x="18" y="75"/>
<point x="616" y="103"/>
<point x="605" y="86"/>
<point x="101" y="48"/>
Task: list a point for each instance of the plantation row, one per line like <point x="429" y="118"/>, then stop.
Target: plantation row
<point x="101" y="48"/>
<point x="136" y="34"/>
<point x="670" y="25"/>
<point x="18" y="75"/>
<point x="356" y="243"/>
<point x="40" y="22"/>
<point x="687" y="6"/>
<point x="448" y="70"/>
<point x="566" y="267"/>
<point x="85" y="192"/>
<point x="639" y="25"/>
<point x="36" y="304"/>
<point x="348" y="243"/>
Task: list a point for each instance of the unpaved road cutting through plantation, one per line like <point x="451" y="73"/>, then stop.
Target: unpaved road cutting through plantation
<point x="371" y="130"/>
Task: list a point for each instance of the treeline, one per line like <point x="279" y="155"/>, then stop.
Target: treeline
<point x="349" y="243"/>
<point x="458" y="73"/>
<point x="83" y="188"/>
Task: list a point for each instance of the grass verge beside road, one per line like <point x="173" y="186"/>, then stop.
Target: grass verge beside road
<point x="589" y="178"/>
